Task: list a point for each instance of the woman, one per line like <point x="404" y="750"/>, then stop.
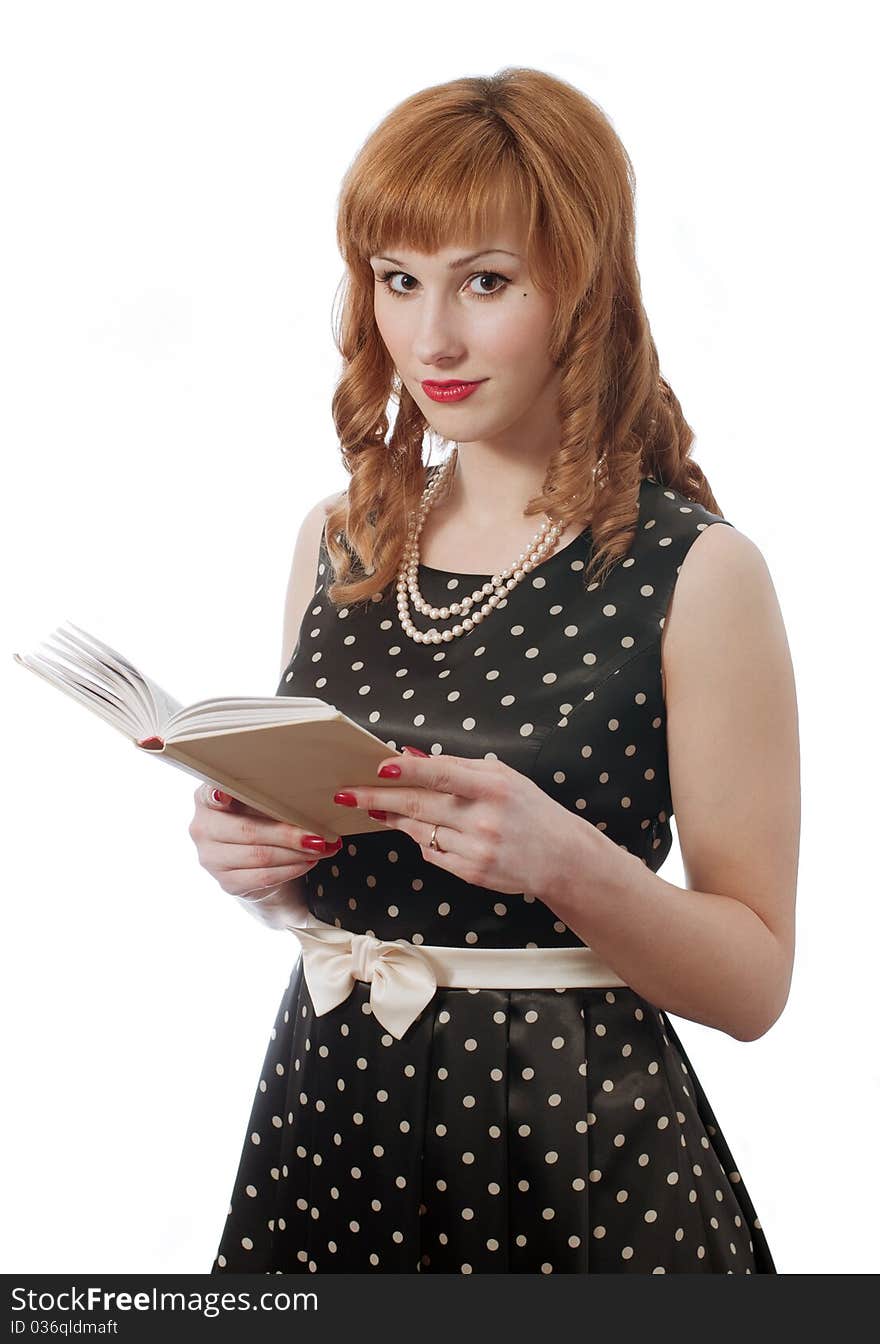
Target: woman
<point x="531" y="1111"/>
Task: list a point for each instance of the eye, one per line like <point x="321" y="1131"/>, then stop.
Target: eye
<point x="489" y="275"/>
<point x="385" y="278"/>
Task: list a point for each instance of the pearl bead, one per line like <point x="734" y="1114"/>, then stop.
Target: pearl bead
<point x="500" y="585"/>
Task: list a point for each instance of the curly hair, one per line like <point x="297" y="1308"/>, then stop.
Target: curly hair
<point x="437" y="171"/>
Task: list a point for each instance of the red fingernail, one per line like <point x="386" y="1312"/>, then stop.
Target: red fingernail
<point x="389" y="772"/>
<point x="317" y="842"/>
<point x="377" y="815"/>
<point x="219" y="796"/>
<point x="414" y="751"/>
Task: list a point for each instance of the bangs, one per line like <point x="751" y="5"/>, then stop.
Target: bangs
<point x="434" y="187"/>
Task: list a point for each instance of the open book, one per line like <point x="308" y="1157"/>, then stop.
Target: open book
<point x="284" y="755"/>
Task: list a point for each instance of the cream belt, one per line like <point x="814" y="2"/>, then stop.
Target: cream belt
<point x="403" y="975"/>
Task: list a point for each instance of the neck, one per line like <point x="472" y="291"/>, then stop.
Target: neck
<point x="491" y="486"/>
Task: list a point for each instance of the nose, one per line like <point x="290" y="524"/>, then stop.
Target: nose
<point x="437" y="335"/>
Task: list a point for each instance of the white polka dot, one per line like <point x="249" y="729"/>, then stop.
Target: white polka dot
<point x="557" y="679"/>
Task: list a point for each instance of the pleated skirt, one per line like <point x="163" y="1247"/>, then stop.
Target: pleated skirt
<point x="508" y="1131"/>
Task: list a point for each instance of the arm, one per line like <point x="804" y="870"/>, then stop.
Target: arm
<point x="276" y="906"/>
<point x="721" y="950"/>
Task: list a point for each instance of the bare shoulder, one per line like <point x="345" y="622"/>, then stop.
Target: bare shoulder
<point x="724" y="589"/>
<point x="303" y="571"/>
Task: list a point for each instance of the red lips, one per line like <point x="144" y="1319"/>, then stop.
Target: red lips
<point x="450" y="391"/>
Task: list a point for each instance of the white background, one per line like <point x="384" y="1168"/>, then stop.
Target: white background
<point x="169" y="268"/>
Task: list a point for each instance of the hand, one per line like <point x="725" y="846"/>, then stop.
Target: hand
<point x="246" y="851"/>
<point x="495" y="827"/>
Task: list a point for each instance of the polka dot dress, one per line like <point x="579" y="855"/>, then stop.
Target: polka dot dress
<point x="508" y="1131"/>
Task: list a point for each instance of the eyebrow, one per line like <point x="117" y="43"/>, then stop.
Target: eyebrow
<point x="460" y="261"/>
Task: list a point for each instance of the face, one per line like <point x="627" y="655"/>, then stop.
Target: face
<point x="455" y="316"/>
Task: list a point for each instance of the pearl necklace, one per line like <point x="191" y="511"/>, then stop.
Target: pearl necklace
<point x="493" y="592"/>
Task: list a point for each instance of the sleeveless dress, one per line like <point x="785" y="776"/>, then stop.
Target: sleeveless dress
<point x="508" y="1131"/>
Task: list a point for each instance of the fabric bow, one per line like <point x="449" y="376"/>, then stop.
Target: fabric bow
<point x="401" y="980"/>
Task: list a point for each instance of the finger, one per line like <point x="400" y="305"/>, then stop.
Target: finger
<point x="262" y="830"/>
<point x="472" y="762"/>
<point x="452" y="859"/>
<point x="468" y="762"/>
<point x="213" y="796"/>
<point x="225" y="858"/>
<point x="263" y="879"/>
<point x="444" y="774"/>
<point x="264" y="848"/>
<point x="259" y="828"/>
<point x="446" y="859"/>
<point x="225" y="827"/>
<point x="458" y="844"/>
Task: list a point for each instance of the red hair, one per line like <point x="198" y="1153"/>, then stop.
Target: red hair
<point x="438" y="171"/>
